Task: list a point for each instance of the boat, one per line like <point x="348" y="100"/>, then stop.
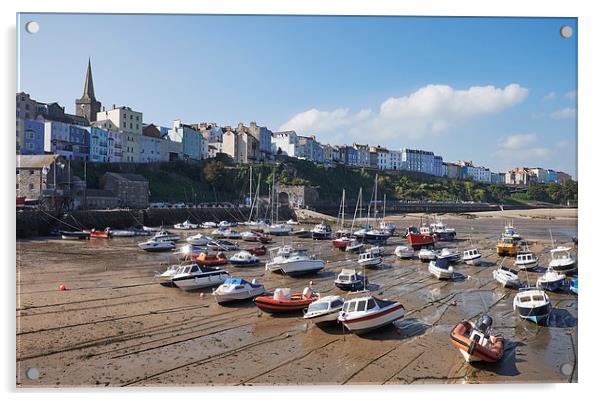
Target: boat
<point x="532" y="304"/>
<point x="442" y="232"/>
<point x="324" y="311"/>
<point x="404" y="252"/>
<point x="220" y="232"/>
<point x="471" y="256"/>
<point x="128" y="233"/>
<point x="166" y="236"/>
<point x="237" y="289"/>
<point x="351" y="280"/>
<point x="151" y="229"/>
<point x="209" y="224"/>
<point x="451" y="255"/>
<point x="367" y="313"/>
<point x="354" y="246"/>
<point x="199" y="240"/>
<point x="292" y="222"/>
<point x="420" y="238"/>
<point x="302" y="233"/>
<point x="321" y="232"/>
<point x="562" y="260"/>
<point x="186" y="225"/>
<point x="384" y="224"/>
<point x="191" y="252"/>
<point x="361" y="232"/>
<point x="294" y="262"/>
<point x="102" y="234"/>
<point x="510" y="232"/>
<point x="551" y="280"/>
<point x="342" y="242"/>
<point x="74" y="234"/>
<point x="369" y="259"/>
<point x="427" y="254"/>
<point x="223" y="245"/>
<point x="211" y="259"/>
<point x="244" y="258"/>
<point x="574" y="286"/>
<point x="376" y="236"/>
<point x="249" y="236"/>
<point x="279" y="230"/>
<point x="441" y="268"/>
<point x="232" y="234"/>
<point x="506" y="277"/>
<point x="342" y="231"/>
<point x="282" y="301"/>
<point x="475" y="342"/>
<point x="153" y="245"/>
<point x="258" y="250"/>
<point x="226" y="224"/>
<point x="506" y="246"/>
<point x="525" y="260"/>
<point x="165" y="277"/>
<point x="195" y="276"/>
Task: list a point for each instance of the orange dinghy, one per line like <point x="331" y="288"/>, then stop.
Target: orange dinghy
<point x="211" y="259"/>
<point x="475" y="343"/>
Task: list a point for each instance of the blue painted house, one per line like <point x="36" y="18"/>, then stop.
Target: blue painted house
<point x="33" y="137"/>
<point x="99" y="139"/>
<point x="80" y="140"/>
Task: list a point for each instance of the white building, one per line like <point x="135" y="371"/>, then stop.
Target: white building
<point x="215" y="148"/>
<point x="285" y="142"/>
<point x="127" y="121"/>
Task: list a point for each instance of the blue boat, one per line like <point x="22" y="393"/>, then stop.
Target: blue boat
<point x="533" y="304"/>
<point x="574" y="286"/>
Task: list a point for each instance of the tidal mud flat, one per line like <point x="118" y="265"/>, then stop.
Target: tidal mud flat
<point x="116" y="326"/>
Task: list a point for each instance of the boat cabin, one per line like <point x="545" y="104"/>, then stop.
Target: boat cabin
<point x="532" y="298"/>
<point x="561" y="253"/>
<point x="325" y="304"/>
<point x="525" y="257"/>
<point x="471" y="253"/>
<point x="365" y="304"/>
<point x="509" y="270"/>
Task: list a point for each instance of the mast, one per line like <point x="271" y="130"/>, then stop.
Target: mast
<point x="359" y="197"/>
<point x="251" y="185"/>
<point x="343" y="211"/>
<point x="375" y="196"/>
<point x="257" y="197"/>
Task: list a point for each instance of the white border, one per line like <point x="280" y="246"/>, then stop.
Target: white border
<point x="589" y="26"/>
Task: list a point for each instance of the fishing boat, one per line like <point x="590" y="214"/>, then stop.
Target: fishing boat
<point x="244" y="258"/>
<point x="223" y="245"/>
<point x="186" y="225"/>
<point x="506" y="246"/>
<point x="404" y="252"/>
<point x="351" y="280"/>
<point x="369" y="259"/>
<point x="166" y="236"/>
<point x="451" y="255"/>
<point x="283" y="301"/>
<point x="506" y="277"/>
<point x="199" y="240"/>
<point x="551" y="280"/>
<point x="211" y="259"/>
<point x="441" y="268"/>
<point x="574" y="286"/>
<point x="420" y="238"/>
<point x="324" y="311"/>
<point x="367" y="313"/>
<point x="193" y="277"/>
<point x="562" y="260"/>
<point x="342" y="242"/>
<point x="153" y="245"/>
<point x="510" y="232"/>
<point x="525" y="260"/>
<point x="258" y="250"/>
<point x="321" y="232"/>
<point x="236" y="290"/>
<point x="471" y="256"/>
<point x="354" y="246"/>
<point x="442" y="232"/>
<point x="532" y="304"/>
<point x="427" y="254"/>
<point x="102" y="234"/>
<point x="476" y="343"/>
<point x="209" y="224"/>
<point x="74" y="234"/>
<point x="294" y="262"/>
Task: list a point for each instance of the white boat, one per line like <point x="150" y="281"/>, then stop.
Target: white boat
<point x="279" y="229"/>
<point x="471" y="256"/>
<point x="525" y="260"/>
<point x="377" y="250"/>
<point x="510" y="232"/>
<point x="427" y="254"/>
<point x="249" y="236"/>
<point x="292" y="222"/>
<point x="151" y="229"/>
<point x="244" y="258"/>
<point x="166" y="236"/>
<point x="442" y="232"/>
<point x="165" y="277"/>
<point x="506" y="277"/>
<point x="351" y="280"/>
<point x="233" y="234"/>
<point x="324" y="310"/>
<point x="441" y="268"/>
<point x="369" y="259"/>
<point x="223" y="245"/>
<point x="186" y="225"/>
<point x="294" y="262"/>
<point x="220" y="233"/>
<point x="199" y="240"/>
<point x="237" y="289"/>
<point x="193" y="277"/>
<point x="551" y="280"/>
<point x="367" y="313"/>
<point x="354" y="246"/>
<point x="532" y="304"/>
<point x="562" y="260"/>
<point x="321" y="232"/>
<point x="226" y="224"/>
<point x="209" y="224"/>
<point x="123" y="233"/>
<point x="153" y="245"/>
<point x="451" y="255"/>
<point x="404" y="252"/>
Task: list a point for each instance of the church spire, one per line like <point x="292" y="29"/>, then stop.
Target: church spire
<point x="88" y="106"/>
<point x="88" y="84"/>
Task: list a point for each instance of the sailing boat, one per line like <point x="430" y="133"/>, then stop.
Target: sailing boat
<point x="376" y="235"/>
<point x="359" y="234"/>
<point x="342" y="231"/>
<point x="277" y="228"/>
<point x="384" y="225"/>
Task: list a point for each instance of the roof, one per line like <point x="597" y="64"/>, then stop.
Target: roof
<point x="128" y="176"/>
<point x="35" y="161"/>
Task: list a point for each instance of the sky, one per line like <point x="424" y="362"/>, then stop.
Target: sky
<point x="499" y="91"/>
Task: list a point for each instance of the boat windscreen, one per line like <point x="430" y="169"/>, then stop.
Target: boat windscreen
<point x="442" y="263"/>
<point x="383" y="302"/>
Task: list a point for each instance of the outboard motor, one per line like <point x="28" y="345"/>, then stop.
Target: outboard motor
<point x="308" y="292"/>
<point x="484" y="324"/>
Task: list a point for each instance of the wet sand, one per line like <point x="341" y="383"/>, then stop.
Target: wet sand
<point x="116" y="326"/>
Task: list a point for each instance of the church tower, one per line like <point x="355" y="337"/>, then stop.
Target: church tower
<point x="88" y="106"/>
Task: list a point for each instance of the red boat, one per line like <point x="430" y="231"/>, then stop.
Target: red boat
<point x="282" y="301"/>
<point x="211" y="259"/>
<point x="258" y="251"/>
<point x="342" y="242"/>
<point x="420" y="238"/>
<point x="94" y="233"/>
<point x="264" y="239"/>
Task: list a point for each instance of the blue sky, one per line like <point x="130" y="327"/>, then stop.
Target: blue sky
<point x="499" y="91"/>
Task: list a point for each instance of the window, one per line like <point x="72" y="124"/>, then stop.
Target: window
<point x="371" y="304"/>
<point x="361" y="306"/>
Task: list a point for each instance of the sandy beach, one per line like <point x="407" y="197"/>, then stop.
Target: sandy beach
<point x="116" y="326"/>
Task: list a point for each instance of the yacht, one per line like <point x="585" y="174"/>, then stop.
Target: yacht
<point x="199" y="240"/>
<point x="404" y="252"/>
<point x="294" y="262"/>
<point x="427" y="254"/>
<point x="166" y="236"/>
<point x="451" y="255"/>
<point x="279" y="229"/>
<point x="551" y="280"/>
<point x="244" y="258"/>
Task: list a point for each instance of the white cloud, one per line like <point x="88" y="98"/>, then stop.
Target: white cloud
<point x="517" y="141"/>
<point x="571" y="95"/>
<point x="549" y="96"/>
<point x="567" y="112"/>
<point x="431" y="109"/>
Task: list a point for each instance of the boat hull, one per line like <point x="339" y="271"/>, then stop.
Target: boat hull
<point x="536" y="315"/>
<point x="320" y="236"/>
<point x="325" y="319"/>
<point x="270" y="305"/>
<point x="197" y="282"/>
<point x="554" y="285"/>
<point x="351" y="286"/>
<point x="564" y="268"/>
<point x="473" y="261"/>
<point x="244" y="262"/>
<point x="372" y="322"/>
<point x="418" y="241"/>
<point x="240" y="296"/>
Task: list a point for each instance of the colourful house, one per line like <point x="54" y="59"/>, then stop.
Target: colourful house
<point x="99" y="139"/>
<point x="33" y="138"/>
